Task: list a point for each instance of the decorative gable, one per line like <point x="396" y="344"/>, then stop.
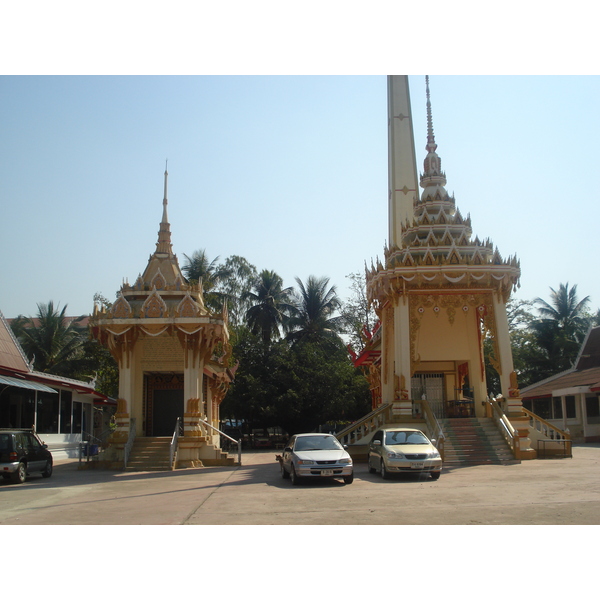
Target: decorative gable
<point x="121" y="309"/>
<point x="187" y="308"/>
<point x="158" y="281"/>
<point x="154" y="307"/>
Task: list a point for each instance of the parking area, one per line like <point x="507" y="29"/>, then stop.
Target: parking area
<point x="541" y="492"/>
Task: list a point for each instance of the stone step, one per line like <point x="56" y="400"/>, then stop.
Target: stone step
<point x="474" y="441"/>
<point x="150" y="454"/>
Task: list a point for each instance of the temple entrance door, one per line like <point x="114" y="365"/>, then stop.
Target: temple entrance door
<point x="167" y="406"/>
<point x="432" y="386"/>
<point x="164" y="403"/>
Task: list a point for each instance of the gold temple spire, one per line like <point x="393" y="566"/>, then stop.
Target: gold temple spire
<point x="164" y="246"/>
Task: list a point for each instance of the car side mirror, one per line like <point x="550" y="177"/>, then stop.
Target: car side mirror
<point x="288" y="449"/>
<point x="376" y="442"/>
<point x="433" y="441"/>
<point x="345" y="446"/>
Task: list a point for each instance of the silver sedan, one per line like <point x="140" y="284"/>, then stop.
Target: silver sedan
<point x="315" y="455"/>
<point x="403" y="450"/>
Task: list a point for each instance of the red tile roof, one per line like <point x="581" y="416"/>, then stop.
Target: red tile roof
<point x="11" y="355"/>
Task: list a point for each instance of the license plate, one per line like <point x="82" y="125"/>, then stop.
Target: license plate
<point x="417" y="465"/>
<point x="326" y="472"/>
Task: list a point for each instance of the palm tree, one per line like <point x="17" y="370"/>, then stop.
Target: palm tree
<point x="566" y="311"/>
<point x="199" y="269"/>
<point x="52" y="341"/>
<point x="271" y="304"/>
<point x="561" y="328"/>
<point x="313" y="318"/>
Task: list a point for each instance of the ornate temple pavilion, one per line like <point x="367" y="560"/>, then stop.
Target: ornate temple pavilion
<point x="439" y="292"/>
<point x="172" y="354"/>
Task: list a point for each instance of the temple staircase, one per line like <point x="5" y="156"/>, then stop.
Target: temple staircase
<point x="153" y="454"/>
<point x="474" y="441"/>
<point x="150" y="454"/>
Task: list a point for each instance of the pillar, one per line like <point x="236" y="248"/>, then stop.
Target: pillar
<point x="402" y="399"/>
<point x="387" y="355"/>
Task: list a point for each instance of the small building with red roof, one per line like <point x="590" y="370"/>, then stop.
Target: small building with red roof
<point x="64" y="412"/>
<point x="571" y="399"/>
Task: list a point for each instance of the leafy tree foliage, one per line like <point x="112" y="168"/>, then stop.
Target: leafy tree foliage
<point x="566" y="311"/>
<point x="61" y="346"/>
<point x="545" y="343"/>
<point x="239" y="277"/>
<point x="50" y="340"/>
<point x="270" y="306"/>
<point x="356" y="313"/>
<point x="297" y="387"/>
<point x="200" y="269"/>
<point x="314" y="318"/>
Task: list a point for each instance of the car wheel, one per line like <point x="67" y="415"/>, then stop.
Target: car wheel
<point x="47" y="469"/>
<point x="384" y="472"/>
<point x="371" y="469"/>
<point x="294" y="477"/>
<point x="20" y="474"/>
<point x="284" y="473"/>
<point x="436" y="474"/>
<point x="348" y="479"/>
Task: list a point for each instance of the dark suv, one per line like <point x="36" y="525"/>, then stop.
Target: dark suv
<point x="23" y="453"/>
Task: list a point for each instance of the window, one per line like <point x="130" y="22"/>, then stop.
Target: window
<point x="592" y="407"/>
<point x="557" y="407"/>
<point x="77" y="417"/>
<point x="66" y="403"/>
<point x="47" y="412"/>
<point x="32" y="442"/>
<point x="570" y="403"/>
<point x="542" y="407"/>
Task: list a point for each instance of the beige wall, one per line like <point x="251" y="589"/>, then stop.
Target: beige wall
<point x="439" y="340"/>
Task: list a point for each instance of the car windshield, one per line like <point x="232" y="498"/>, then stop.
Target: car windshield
<point x="396" y="438"/>
<point x="317" y="442"/>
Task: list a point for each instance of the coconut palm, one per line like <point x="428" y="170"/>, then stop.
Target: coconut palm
<point x="271" y="304"/>
<point x="314" y="319"/>
<point x="561" y="328"/>
<point x="51" y="341"/>
<point x="199" y="269"/>
<point x="566" y="311"/>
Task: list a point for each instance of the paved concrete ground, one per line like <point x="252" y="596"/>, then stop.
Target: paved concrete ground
<point x="551" y="492"/>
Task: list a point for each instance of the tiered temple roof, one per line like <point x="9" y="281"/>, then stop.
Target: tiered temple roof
<point x="436" y="248"/>
<point x="161" y="295"/>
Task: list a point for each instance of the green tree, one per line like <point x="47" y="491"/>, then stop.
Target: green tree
<point x="101" y="361"/>
<point x="313" y="319"/>
<point x="566" y="311"/>
<point x="270" y="306"/>
<point x="297" y="388"/>
<point x="560" y="329"/>
<point x="51" y="341"/>
<point x="200" y="269"/>
<point x="523" y="345"/>
<point x="239" y="276"/>
<point x="356" y="313"/>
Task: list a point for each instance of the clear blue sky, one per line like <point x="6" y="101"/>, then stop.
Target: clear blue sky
<point x="289" y="172"/>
